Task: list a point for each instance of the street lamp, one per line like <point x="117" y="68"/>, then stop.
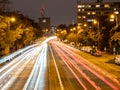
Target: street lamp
<point x="9" y="20"/>
<point x="12" y="19"/>
<point x="85" y="25"/>
<point x="96" y="22"/>
<point x="113" y="17"/>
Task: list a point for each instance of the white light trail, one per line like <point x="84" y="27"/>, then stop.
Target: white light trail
<point x="28" y="57"/>
<point x="39" y="68"/>
<point x="18" y="58"/>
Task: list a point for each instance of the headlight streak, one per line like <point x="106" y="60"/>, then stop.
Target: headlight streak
<point x="39" y="70"/>
<point x="42" y="66"/>
<point x="13" y="78"/>
<point x="33" y="72"/>
<point x="16" y="59"/>
<point x="13" y="67"/>
<point x="73" y="55"/>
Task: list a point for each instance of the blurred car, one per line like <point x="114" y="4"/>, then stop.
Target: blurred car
<point x="96" y="53"/>
<point x="117" y="59"/>
<point x="86" y="49"/>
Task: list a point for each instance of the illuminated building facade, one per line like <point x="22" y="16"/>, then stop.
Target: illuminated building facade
<point x="44" y="24"/>
<point x="87" y="11"/>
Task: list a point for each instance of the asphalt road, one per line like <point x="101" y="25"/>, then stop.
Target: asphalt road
<point x="53" y="66"/>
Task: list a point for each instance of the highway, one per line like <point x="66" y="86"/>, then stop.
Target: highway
<point x="85" y="75"/>
<point x="54" y="65"/>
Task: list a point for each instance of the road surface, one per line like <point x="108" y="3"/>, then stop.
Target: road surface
<point x="54" y="65"/>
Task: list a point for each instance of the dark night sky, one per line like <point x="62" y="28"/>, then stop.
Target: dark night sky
<point x="60" y="11"/>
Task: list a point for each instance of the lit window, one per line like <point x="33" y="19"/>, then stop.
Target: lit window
<point x="44" y="21"/>
<point x="79" y="16"/>
<point x="83" y="9"/>
<point x="116" y="12"/>
<point x="88" y="13"/>
<point x="97" y="5"/>
<point x="115" y="9"/>
<point x="79" y="10"/>
<point x="93" y="13"/>
<point x="79" y="6"/>
<point x="84" y="17"/>
<point x="79" y="24"/>
<point x="83" y="6"/>
<point x="88" y="6"/>
<point x="107" y="5"/>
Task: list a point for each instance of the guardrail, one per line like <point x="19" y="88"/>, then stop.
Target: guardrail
<point x="11" y="56"/>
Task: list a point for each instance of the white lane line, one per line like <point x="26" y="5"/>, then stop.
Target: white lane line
<point x="59" y="77"/>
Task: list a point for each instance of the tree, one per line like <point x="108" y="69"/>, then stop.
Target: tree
<point x="14" y="36"/>
<point x="61" y="31"/>
<point x="72" y="37"/>
<point x="115" y="38"/>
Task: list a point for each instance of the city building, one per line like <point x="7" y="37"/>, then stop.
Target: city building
<point x="53" y="29"/>
<point x="88" y="11"/>
<point x="44" y="23"/>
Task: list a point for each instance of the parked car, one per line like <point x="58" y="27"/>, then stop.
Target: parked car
<point x="117" y="59"/>
<point x="86" y="49"/>
<point x="96" y="53"/>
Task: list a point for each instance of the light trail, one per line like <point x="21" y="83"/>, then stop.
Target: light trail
<point x="63" y="56"/>
<point x="34" y="71"/>
<point x="13" y="78"/>
<point x="15" y="65"/>
<point x="59" y="77"/>
<point x="26" y="59"/>
<point x="91" y="64"/>
<point x="77" y="60"/>
<point x="42" y="66"/>
<point x="75" y="57"/>
<point x="16" y="60"/>
<point x="38" y="72"/>
<point x="68" y="59"/>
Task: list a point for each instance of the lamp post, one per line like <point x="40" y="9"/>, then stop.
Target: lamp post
<point x="12" y="19"/>
<point x="96" y="22"/>
<point x="113" y="17"/>
<point x="9" y="20"/>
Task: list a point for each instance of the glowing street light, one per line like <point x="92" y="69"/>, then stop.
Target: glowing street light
<point x="12" y="19"/>
<point x="113" y="17"/>
<point x="8" y="22"/>
<point x="85" y="25"/>
<point x="96" y="22"/>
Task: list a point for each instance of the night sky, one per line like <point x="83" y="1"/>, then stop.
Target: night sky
<point x="60" y="11"/>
